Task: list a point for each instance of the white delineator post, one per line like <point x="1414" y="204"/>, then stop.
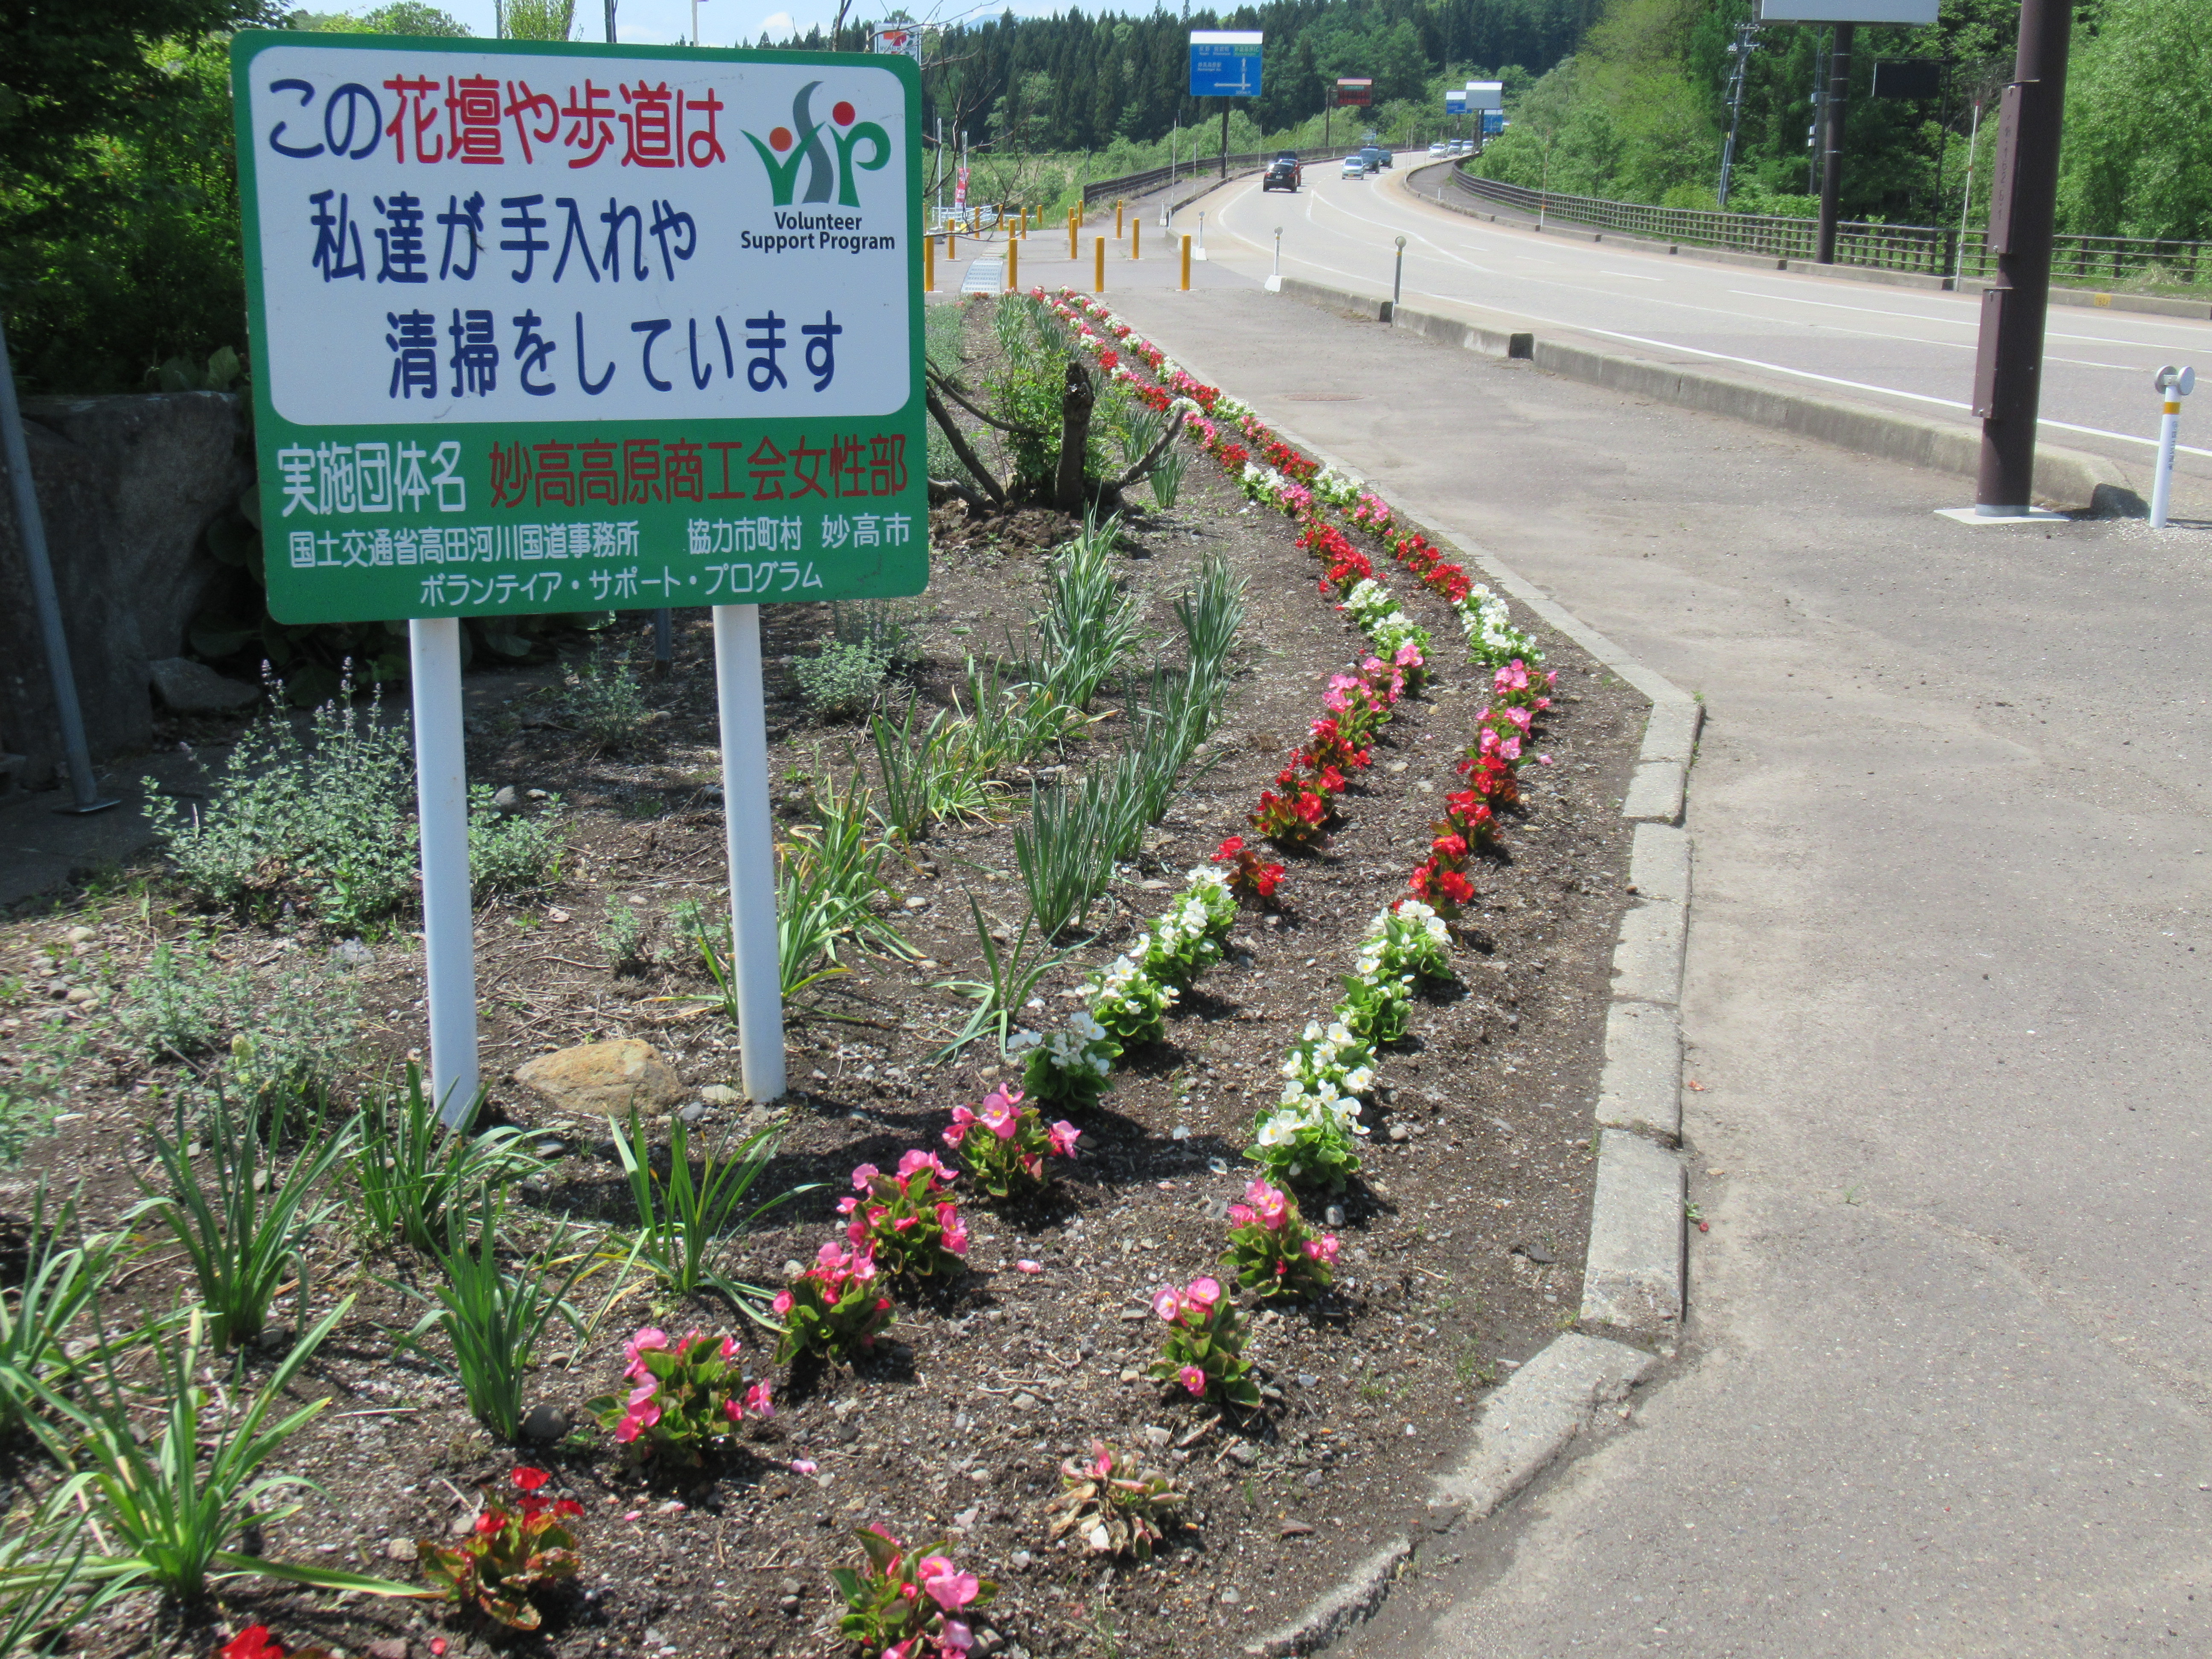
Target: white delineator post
<point x="754" y="965"/>
<point x="1199" y="253"/>
<point x="441" y="809"/>
<point x="2173" y="385"/>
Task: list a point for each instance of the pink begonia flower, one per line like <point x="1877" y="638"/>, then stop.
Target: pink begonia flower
<point x="760" y="1399"/>
<point x="847" y="1206"/>
<point x="1510" y="748"/>
<point x="1166" y="1303"/>
<point x="862" y="1175"/>
<point x="648" y="1338"/>
<point x="863" y="1266"/>
<point x="1543" y="760"/>
<point x="1322" y="1248"/>
<point x="956" y="1230"/>
<point x="1103" y="1465"/>
<point x="903" y="1649"/>
<point x="950" y="1588"/>
<point x="1409" y="655"/>
<point x="1273" y="1207"/>
<point x="902" y="1224"/>
<point x="643" y="1392"/>
<point x="1026" y="1265"/>
<point x="1203" y="1294"/>
<point x="1000" y="1116"/>
<point x="957" y="1635"/>
<point x="1063" y="1136"/>
<point x="918" y="1160"/>
<point x="1193" y="1379"/>
<point x="802" y="1465"/>
<point x="729" y="1348"/>
<point x="962" y="1117"/>
<point x="1239" y="1216"/>
<point x="733" y="1409"/>
<point x="782" y="1304"/>
<point x="831" y="1256"/>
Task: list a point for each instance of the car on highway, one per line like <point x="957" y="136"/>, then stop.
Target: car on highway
<point x="1355" y="166"/>
<point x="1440" y="148"/>
<point x="1376" y="156"/>
<point x="1285" y="172"/>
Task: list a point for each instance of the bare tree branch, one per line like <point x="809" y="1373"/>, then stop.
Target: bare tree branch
<point x="967" y="457"/>
<point x="1143" y="469"/>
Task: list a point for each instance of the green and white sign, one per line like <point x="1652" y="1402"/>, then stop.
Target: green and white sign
<point x="557" y="327"/>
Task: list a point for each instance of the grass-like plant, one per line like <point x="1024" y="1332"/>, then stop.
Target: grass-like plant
<point x="244" y="1231"/>
<point x="1090" y="625"/>
<point x="1008" y="724"/>
<point x="411" y="1173"/>
<point x="886" y="627"/>
<point x="61" y="1281"/>
<point x="1011" y="977"/>
<point x="1065" y="853"/>
<point x="683" y="1217"/>
<point x="850" y="859"/>
<point x="44" y="1590"/>
<point x="513" y="853"/>
<point x="930" y="773"/>
<point x="1167" y="475"/>
<point x="167" y="1503"/>
<point x="1212" y="614"/>
<point x="493" y="1318"/>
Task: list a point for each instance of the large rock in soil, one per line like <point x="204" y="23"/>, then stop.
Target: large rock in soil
<point x="603" y="1079"/>
<point x="193" y="688"/>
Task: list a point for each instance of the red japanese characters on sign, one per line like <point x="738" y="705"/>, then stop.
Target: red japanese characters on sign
<point x="627" y="471"/>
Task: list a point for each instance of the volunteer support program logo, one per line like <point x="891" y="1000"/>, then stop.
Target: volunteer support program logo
<point x="787" y="148"/>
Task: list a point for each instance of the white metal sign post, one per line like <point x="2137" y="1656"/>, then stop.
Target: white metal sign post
<point x="2171" y="384"/>
<point x="559" y="328"/>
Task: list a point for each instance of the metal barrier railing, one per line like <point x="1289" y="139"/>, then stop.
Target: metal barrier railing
<point x="1142" y="184"/>
<point x="1927" y="249"/>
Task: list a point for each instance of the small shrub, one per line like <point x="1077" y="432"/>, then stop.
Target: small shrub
<point x="841" y="680"/>
<point x="908" y="1603"/>
<point x="1070" y="1067"/>
<point x="603" y="699"/>
<point x="297" y="1039"/>
<point x="886" y="627"/>
<point x="183" y="1002"/>
<point x="1311" y="1136"/>
<point x="622" y="938"/>
<point x="511" y="1555"/>
<point x="1408" y="938"/>
<point x="1006" y="1144"/>
<point x="511" y="854"/>
<point x="908" y="1222"/>
<point x="1186" y="938"/>
<point x="1112" y="1506"/>
<point x="1130" y="1003"/>
<point x="1249" y="875"/>
<point x="682" y="1398"/>
<point x="328" y="822"/>
<point x="834" y="1310"/>
<point x="1272" y="1248"/>
<point x="1203" y="1353"/>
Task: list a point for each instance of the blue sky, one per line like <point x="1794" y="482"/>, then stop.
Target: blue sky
<point x="721" y="22"/>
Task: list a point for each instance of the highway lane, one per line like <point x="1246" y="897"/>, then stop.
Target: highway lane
<point x="1907" y="348"/>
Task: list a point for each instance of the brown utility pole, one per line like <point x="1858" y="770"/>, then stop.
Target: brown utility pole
<point x="1831" y="141"/>
<point x="2023" y="207"/>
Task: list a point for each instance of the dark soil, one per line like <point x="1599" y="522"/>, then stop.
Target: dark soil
<point x="1464" y="1244"/>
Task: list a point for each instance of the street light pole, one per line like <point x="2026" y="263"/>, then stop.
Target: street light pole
<point x="2023" y="207"/>
<point x="1745" y="44"/>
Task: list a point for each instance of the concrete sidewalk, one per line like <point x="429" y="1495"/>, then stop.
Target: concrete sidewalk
<point x="1944" y="1385"/>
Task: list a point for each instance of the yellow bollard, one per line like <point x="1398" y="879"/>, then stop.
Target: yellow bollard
<point x="951" y="248"/>
<point x="1098" y="265"/>
<point x="1013" y="258"/>
<point x="1072" y="255"/>
<point x="1025" y="222"/>
<point x="1136" y="234"/>
<point x="929" y="265"/>
<point x="1117" y="218"/>
<point x="1186" y="263"/>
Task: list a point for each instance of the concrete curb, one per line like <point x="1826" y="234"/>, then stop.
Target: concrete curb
<point x="1634" y="1279"/>
<point x="1548" y="1404"/>
<point x="2066" y="477"/>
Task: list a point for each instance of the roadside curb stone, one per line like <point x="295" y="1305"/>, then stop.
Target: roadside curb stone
<point x="1632" y="1275"/>
<point x="1659" y="862"/>
<point x="1647" y="961"/>
<point x="1641" y="1088"/>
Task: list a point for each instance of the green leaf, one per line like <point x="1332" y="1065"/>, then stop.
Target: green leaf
<point x="235" y="1565"/>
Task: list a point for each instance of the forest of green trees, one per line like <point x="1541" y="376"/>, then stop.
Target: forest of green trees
<point x="118" y="213"/>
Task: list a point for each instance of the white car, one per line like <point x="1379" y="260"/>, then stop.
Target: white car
<point x="1354" y="167"/>
<point x="1440" y="148"/>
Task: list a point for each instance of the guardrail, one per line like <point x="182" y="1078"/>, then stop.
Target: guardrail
<point x="1142" y="183"/>
<point x="1927" y="249"/>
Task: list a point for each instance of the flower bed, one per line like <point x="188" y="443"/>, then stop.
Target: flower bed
<point x="972" y="1371"/>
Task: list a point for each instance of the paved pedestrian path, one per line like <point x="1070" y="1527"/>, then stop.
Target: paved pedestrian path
<point x="1944" y="1387"/>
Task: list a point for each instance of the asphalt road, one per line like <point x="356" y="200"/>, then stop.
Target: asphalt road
<point x="1946" y="1383"/>
<point x="1904" y="349"/>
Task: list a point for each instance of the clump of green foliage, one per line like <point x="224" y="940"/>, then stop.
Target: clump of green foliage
<point x="325" y="824"/>
<point x="841" y="680"/>
<point x="602" y="698"/>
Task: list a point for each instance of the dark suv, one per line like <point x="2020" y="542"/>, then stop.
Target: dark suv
<point x="1376" y="156"/>
<point x="1285" y="172"/>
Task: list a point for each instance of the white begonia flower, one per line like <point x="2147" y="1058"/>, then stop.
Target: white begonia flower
<point x="1205" y="876"/>
<point x="1358" y="1080"/>
<point x="1084" y="1026"/>
<point x="1022" y="1041"/>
